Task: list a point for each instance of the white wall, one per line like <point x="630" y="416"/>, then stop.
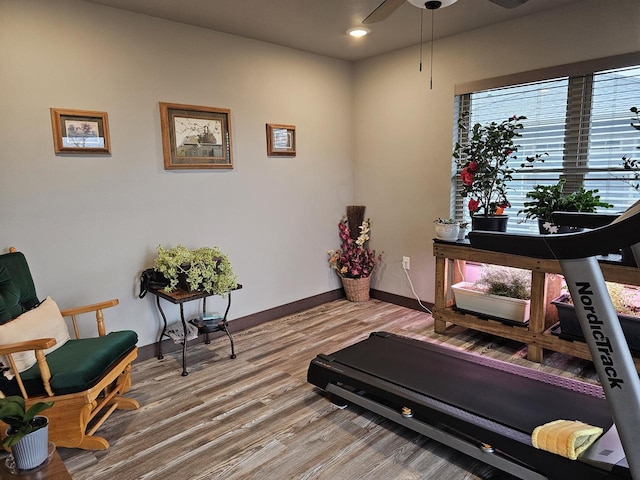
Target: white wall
<point x="403" y="130"/>
<point x="89" y="224"/>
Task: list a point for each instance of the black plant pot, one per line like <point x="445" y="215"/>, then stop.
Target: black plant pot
<point x="489" y="223"/>
<point x="570" y="326"/>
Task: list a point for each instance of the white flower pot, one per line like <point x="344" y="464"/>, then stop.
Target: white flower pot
<point x="447" y="231"/>
<point x="506" y="308"/>
<point x="33" y="449"/>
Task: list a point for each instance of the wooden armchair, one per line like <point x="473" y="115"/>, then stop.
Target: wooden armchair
<point x="84" y="377"/>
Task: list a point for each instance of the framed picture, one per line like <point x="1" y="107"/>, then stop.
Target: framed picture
<point x="195" y="137"/>
<point x="281" y="139"/>
<point x="80" y="131"/>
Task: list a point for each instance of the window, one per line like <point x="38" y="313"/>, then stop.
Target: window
<point x="581" y="121"/>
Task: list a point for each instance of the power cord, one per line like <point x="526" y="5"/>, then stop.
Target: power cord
<point x="414" y="291"/>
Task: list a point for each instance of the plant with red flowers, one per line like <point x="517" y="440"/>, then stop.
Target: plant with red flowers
<point x="354" y="259"/>
<point x="483" y="163"/>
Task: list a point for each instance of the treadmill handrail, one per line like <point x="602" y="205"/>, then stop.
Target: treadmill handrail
<point x="623" y="232"/>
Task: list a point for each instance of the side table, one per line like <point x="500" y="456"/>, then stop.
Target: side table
<point x="180" y="297"/>
<point x="52" y="469"/>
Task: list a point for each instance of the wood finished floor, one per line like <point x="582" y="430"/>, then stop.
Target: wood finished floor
<point x="256" y="417"/>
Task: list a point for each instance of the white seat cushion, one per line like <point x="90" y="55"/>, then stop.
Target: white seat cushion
<point x="44" y="321"/>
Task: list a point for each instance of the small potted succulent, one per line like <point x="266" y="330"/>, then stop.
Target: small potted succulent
<point x="28" y="432"/>
<point x="483" y="160"/>
<point x="447" y="229"/>
<point x="546" y="199"/>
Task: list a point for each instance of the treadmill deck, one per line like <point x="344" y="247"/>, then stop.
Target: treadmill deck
<point x="498" y="402"/>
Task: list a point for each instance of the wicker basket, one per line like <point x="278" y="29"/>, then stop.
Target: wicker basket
<point x="357" y="289"/>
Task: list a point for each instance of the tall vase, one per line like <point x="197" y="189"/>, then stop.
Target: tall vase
<point x="357" y="289"/>
<point x="490" y="223"/>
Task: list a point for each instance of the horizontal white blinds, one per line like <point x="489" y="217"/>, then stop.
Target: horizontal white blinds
<point x="582" y="122"/>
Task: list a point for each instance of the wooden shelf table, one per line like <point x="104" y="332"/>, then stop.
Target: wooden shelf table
<point x="545" y="286"/>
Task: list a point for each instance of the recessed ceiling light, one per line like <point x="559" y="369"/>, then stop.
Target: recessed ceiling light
<point x="358" y="31"/>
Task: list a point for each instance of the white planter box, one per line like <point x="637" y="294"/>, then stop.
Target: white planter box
<point x="507" y="308"/>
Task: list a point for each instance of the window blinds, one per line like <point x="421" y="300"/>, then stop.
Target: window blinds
<point x="581" y="122"/>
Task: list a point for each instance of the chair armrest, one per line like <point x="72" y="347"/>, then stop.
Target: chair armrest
<point x="96" y="307"/>
<point x="89" y="308"/>
<point x="38" y="344"/>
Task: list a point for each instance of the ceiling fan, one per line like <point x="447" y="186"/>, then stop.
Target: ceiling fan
<point x="387" y="7"/>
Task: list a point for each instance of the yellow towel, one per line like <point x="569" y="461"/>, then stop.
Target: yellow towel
<point x="568" y="438"/>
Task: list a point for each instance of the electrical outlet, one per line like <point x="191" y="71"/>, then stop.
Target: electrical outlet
<point x="406" y="263"/>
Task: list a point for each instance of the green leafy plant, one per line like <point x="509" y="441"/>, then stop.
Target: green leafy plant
<point x="21" y="421"/>
<point x="483" y="162"/>
<point x="505" y="282"/>
<point x="546" y="199"/>
<point x="205" y="268"/>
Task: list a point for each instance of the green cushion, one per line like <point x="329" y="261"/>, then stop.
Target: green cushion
<point x="77" y="365"/>
<point x="17" y="291"/>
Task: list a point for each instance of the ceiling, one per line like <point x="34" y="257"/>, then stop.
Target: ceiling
<point x="319" y="26"/>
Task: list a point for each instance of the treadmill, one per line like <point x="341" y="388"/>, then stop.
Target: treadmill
<point x="488" y="408"/>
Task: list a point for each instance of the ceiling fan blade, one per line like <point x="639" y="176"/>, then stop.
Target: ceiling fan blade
<point x="509" y="3"/>
<point x="384" y="10"/>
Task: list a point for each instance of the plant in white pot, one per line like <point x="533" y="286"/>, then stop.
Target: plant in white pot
<point x="28" y="433"/>
<point x="500" y="292"/>
<point x="447" y="228"/>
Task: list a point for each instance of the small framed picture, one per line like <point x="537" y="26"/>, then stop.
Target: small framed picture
<point x="195" y="137"/>
<point x="281" y="139"/>
<point x="80" y="131"/>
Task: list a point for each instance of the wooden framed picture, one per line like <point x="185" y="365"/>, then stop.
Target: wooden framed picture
<point x="281" y="139"/>
<point x="80" y="131"/>
<point x="195" y="137"/>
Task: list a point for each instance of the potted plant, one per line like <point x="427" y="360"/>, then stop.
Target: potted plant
<point x="205" y="268"/>
<point x="354" y="261"/>
<point x="546" y="199"/>
<point x="28" y="432"/>
<point x="485" y="171"/>
<point x="502" y="293"/>
<point x="626" y="302"/>
<point x="447" y="229"/>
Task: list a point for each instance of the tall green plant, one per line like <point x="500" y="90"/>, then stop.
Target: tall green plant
<point x="483" y="161"/>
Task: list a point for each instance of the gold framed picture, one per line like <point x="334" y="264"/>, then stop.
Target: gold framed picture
<point x="281" y="139"/>
<point x="195" y="137"/>
<point x="80" y="131"/>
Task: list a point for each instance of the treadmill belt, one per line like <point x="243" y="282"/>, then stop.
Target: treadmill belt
<point x="457" y="378"/>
